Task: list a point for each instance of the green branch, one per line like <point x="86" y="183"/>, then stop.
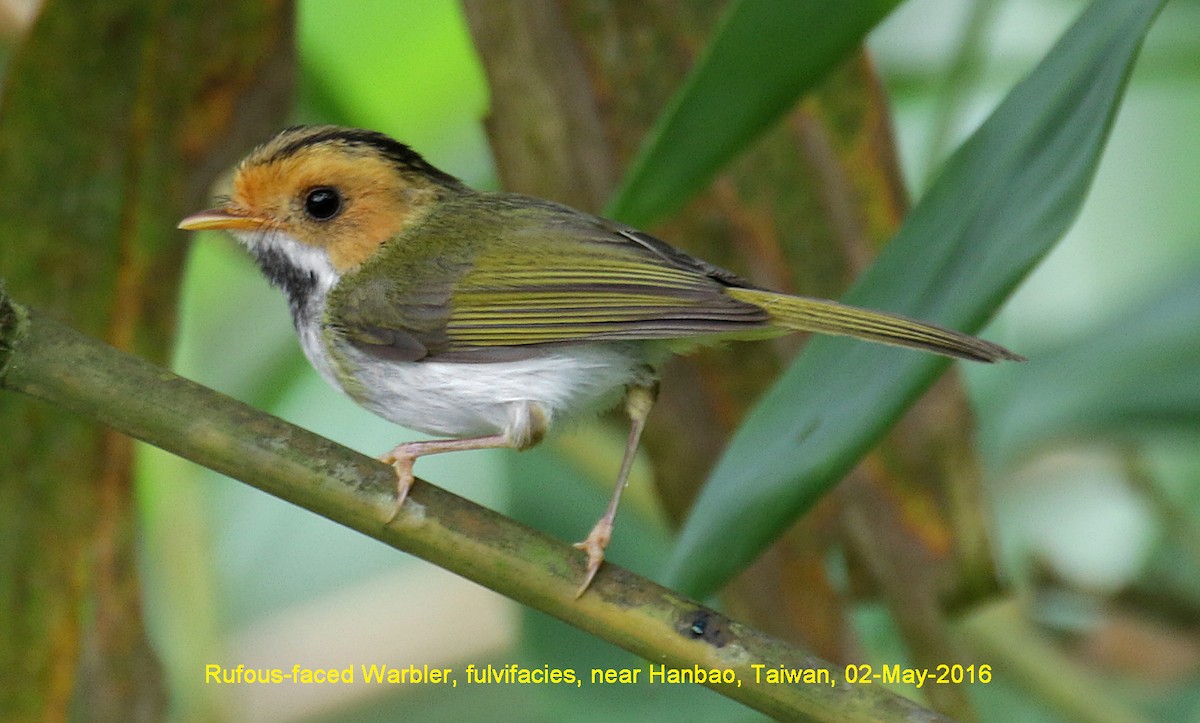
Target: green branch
<point x="45" y="359"/>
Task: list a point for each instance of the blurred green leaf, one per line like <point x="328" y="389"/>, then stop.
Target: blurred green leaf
<point x="407" y="69"/>
<point x="1135" y="373"/>
<point x="374" y="60"/>
<point x="765" y="54"/>
<point x="1000" y="203"/>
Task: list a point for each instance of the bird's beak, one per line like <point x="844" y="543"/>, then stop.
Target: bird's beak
<point x="221" y="218"/>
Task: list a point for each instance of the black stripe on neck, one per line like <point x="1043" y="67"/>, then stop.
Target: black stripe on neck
<point x="297" y="283"/>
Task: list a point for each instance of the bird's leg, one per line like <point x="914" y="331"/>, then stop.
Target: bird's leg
<point x="526" y="427"/>
<point x="638" y="402"/>
<point x="404" y="455"/>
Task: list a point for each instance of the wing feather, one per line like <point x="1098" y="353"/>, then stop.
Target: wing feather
<point x="539" y="274"/>
<point x="589" y="282"/>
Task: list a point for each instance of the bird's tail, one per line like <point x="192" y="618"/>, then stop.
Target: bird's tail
<point x="799" y="313"/>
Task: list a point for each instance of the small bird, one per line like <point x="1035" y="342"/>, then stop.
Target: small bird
<point x="488" y="317"/>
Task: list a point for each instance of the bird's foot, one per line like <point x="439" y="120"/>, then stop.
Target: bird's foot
<point x="401" y="460"/>
<point x="594" y="545"/>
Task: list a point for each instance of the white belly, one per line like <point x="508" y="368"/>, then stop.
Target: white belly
<point x="462" y="399"/>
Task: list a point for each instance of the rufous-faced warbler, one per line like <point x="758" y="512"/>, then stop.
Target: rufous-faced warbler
<point x="490" y="317"/>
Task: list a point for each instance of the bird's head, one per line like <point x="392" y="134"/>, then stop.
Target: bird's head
<point x="325" y="195"/>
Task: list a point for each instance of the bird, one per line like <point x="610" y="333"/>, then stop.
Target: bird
<point x="486" y="318"/>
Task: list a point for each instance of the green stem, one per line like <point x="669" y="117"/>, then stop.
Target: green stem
<point x="45" y="359"/>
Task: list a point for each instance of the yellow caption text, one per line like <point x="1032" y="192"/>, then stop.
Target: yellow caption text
<point x="651" y="674"/>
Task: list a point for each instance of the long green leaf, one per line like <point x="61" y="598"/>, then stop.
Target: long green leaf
<point x="764" y="55"/>
<point x="1001" y="202"/>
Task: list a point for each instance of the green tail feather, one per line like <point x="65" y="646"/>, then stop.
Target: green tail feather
<point x="829" y="317"/>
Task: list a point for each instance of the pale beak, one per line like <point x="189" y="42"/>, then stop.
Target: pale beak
<point x="221" y="218"/>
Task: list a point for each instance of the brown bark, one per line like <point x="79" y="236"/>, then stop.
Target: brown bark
<point x="113" y="120"/>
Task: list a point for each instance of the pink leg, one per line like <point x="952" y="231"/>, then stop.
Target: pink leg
<point x="638" y="404"/>
<point x="404" y="455"/>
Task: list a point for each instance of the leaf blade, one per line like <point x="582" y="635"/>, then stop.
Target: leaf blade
<point x="999" y="205"/>
<point x="752" y="72"/>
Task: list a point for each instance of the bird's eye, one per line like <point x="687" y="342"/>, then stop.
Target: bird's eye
<point x="323" y="203"/>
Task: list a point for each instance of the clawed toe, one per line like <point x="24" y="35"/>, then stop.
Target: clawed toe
<point x="403" y="464"/>
<point x="597" y="540"/>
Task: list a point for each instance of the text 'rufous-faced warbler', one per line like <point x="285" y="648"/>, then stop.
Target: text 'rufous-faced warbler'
<point x="490" y="317"/>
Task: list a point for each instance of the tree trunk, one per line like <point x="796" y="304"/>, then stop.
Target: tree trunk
<point x="115" y="116"/>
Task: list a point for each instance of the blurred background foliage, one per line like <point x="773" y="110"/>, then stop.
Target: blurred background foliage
<point x="1091" y="451"/>
<point x="1091" y="459"/>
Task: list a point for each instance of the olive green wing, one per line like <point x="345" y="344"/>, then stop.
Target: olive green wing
<point x="534" y="274"/>
<point x="567" y="277"/>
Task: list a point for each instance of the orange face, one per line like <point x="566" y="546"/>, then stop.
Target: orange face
<point x="347" y="199"/>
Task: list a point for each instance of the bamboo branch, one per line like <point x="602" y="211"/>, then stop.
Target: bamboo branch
<point x="45" y="359"/>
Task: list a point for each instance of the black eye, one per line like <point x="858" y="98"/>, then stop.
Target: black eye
<point x="323" y="203"/>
